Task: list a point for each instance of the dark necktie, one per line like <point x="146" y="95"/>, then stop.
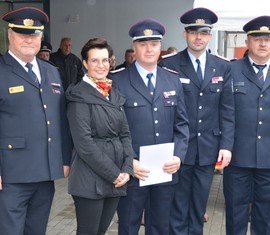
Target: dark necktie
<point x="31" y="74"/>
<point x="260" y="72"/>
<point x="150" y="85"/>
<point x="199" y="71"/>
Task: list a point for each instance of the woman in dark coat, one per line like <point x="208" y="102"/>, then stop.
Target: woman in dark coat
<point x="102" y="161"/>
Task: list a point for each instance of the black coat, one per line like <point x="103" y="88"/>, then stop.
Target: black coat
<point x="102" y="142"/>
<point x="70" y="67"/>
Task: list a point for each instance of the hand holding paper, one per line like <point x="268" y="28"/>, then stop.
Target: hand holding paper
<point x="173" y="166"/>
<point x="140" y="172"/>
<point x="159" y="160"/>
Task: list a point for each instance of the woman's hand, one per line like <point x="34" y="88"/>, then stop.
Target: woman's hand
<point x="121" y="180"/>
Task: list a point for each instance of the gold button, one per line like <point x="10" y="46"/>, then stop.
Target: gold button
<point x="10" y="146"/>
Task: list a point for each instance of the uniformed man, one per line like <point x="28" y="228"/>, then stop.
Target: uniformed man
<point x="34" y="138"/>
<point x="249" y="172"/>
<point x="210" y="107"/>
<point x="156" y="114"/>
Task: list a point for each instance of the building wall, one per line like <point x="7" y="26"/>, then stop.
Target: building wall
<point x="111" y="19"/>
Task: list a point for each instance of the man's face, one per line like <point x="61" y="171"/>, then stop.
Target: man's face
<point x="129" y="57"/>
<point x="45" y="55"/>
<point x="24" y="46"/>
<point x="197" y="41"/>
<point x="147" y="52"/>
<point x="66" y="47"/>
<point x="258" y="48"/>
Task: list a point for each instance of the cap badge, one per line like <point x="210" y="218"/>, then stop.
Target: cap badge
<point x="264" y="28"/>
<point x="200" y="21"/>
<point x="148" y="32"/>
<point x="28" y="22"/>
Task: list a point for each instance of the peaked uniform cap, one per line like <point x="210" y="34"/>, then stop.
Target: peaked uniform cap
<point x="259" y="26"/>
<point x="199" y="18"/>
<point x="148" y="29"/>
<point x="26" y="20"/>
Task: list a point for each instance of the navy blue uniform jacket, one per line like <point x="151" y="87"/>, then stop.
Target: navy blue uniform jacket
<point x="210" y="106"/>
<point x="252" y="116"/>
<point x="156" y="119"/>
<point x="34" y="132"/>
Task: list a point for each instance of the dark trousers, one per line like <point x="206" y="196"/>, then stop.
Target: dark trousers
<point x="156" y="199"/>
<point x="25" y="208"/>
<point x="94" y="215"/>
<point x="239" y="183"/>
<point x="190" y="199"/>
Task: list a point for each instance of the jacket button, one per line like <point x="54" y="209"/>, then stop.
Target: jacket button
<point x="49" y="139"/>
<point x="10" y="146"/>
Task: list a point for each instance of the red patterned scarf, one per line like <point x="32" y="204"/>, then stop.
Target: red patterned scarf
<point x="103" y="85"/>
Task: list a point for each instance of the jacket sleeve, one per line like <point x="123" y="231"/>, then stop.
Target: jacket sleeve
<point x="125" y="138"/>
<point x="181" y="125"/>
<point x="227" y="112"/>
<point x="79" y="117"/>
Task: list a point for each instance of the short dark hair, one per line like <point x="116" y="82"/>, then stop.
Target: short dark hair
<point x="99" y="43"/>
<point x="129" y="51"/>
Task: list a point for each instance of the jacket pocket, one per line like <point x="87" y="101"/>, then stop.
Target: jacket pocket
<point x="216" y="88"/>
<point x="239" y="89"/>
<point x="12" y="143"/>
<point x="216" y="132"/>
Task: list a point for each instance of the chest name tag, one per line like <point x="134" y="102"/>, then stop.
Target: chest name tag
<point x="16" y="89"/>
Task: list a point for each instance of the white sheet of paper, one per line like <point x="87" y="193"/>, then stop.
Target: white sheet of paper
<point x="153" y="157"/>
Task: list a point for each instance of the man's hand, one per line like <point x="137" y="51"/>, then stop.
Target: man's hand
<point x="225" y="156"/>
<point x="0" y="182"/>
<point x="121" y="180"/>
<point x="66" y="171"/>
<point x="172" y="166"/>
<point x="139" y="172"/>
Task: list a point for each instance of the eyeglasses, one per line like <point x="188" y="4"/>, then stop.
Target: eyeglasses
<point x="95" y="62"/>
<point x="198" y="33"/>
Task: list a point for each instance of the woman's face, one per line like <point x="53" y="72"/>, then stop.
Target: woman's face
<point x="98" y="63"/>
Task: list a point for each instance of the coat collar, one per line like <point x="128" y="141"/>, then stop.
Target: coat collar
<point x="250" y="74"/>
<point x="189" y="71"/>
<point x="20" y="71"/>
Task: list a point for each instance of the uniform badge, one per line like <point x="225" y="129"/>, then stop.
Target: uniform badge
<point x="217" y="79"/>
<point x="148" y="32"/>
<point x="185" y="80"/>
<point x="167" y="94"/>
<point x="16" y="89"/>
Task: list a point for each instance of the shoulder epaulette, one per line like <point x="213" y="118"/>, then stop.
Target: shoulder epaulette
<point x="168" y="55"/>
<point x="170" y="70"/>
<point x="117" y="70"/>
<point x="222" y="57"/>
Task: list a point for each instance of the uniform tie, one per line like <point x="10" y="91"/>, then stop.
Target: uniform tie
<point x="199" y="71"/>
<point x="31" y="74"/>
<point x="260" y="72"/>
<point x="150" y="85"/>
